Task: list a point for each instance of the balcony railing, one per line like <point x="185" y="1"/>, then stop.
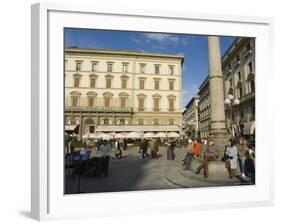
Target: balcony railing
<point x="238" y="62"/>
<point x="98" y="109"/>
<point x="247" y="53"/>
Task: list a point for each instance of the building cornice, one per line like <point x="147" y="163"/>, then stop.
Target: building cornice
<point x="92" y="51"/>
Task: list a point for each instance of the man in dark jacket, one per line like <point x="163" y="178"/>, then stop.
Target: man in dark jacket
<point x="210" y="154"/>
<point x="144" y="146"/>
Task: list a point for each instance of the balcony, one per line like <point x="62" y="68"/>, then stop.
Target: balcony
<point x="98" y="109"/>
<point x="248" y="53"/>
<point x="238" y="62"/>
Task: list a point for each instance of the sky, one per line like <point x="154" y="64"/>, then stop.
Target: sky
<point x="193" y="47"/>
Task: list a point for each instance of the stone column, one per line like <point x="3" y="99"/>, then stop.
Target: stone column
<point x="218" y="130"/>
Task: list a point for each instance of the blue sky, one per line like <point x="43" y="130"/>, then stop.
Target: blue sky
<point x="194" y="48"/>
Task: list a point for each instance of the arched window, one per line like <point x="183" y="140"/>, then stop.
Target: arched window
<point x="107" y="99"/>
<point x="75" y="98"/>
<point x="122" y="122"/>
<point x="105" y="121"/>
<point x="252" y="84"/>
<point x="89" y="121"/>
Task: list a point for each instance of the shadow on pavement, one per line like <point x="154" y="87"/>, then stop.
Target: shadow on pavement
<point x="124" y="175"/>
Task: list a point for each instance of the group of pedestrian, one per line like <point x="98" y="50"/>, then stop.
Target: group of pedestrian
<point x="239" y="156"/>
<point x="145" y="145"/>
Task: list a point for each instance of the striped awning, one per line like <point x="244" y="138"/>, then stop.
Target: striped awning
<point x="138" y="128"/>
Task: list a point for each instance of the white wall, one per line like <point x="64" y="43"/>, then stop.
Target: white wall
<point x="15" y="111"/>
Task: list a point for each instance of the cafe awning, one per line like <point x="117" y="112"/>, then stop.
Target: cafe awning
<point x="138" y="128"/>
<point x="70" y="127"/>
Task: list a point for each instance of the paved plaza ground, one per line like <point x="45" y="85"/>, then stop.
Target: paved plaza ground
<point x="132" y="173"/>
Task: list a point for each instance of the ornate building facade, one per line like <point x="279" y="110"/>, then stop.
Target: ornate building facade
<point x="190" y="118"/>
<point x="238" y="66"/>
<point x="112" y="91"/>
<point x="204" y="109"/>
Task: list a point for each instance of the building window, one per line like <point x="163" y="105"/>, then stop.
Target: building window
<point x="171" y="105"/>
<point x="91" y="101"/>
<point x="240" y="92"/>
<point x="171" y="70"/>
<point x="140" y="121"/>
<point x="238" y="58"/>
<point x="108" y="83"/>
<point x="125" y="68"/>
<point x="91" y="129"/>
<point x="142" y="83"/>
<point x="94" y="66"/>
<point x="142" y="68"/>
<point x="253" y="113"/>
<point x="156" y="84"/>
<point x="76" y="81"/>
<point x="141" y="104"/>
<point x="157" y="69"/>
<point x="72" y="121"/>
<point x="109" y="67"/>
<point x="123" y="102"/>
<point x="250" y="67"/>
<point x="248" y="47"/>
<point x="78" y="66"/>
<point x="171" y="85"/>
<point x="75" y="101"/>
<point x="252" y="84"/>
<point x="239" y="76"/>
<point x="106" y="121"/>
<point x="230" y="83"/>
<point x="156" y="104"/>
<point x="107" y="102"/>
<point x="156" y="121"/>
<point x="241" y="115"/>
<point x="92" y="82"/>
<point x="124" y="83"/>
<point x="171" y="121"/>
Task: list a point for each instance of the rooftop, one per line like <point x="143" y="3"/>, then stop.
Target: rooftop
<point x="74" y="50"/>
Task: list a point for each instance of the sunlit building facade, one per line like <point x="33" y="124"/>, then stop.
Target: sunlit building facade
<point x="122" y="91"/>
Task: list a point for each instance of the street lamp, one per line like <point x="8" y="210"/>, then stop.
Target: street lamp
<point x="231" y="102"/>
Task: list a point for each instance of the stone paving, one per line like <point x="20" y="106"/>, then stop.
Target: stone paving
<point x="132" y="173"/>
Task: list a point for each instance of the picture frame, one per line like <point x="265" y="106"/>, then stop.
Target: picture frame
<point x="48" y="200"/>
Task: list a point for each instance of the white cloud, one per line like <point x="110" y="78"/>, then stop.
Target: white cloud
<point x="160" y="40"/>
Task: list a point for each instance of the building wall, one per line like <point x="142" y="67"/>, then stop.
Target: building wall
<point x="239" y="80"/>
<point x="190" y="118"/>
<point x="204" y="109"/>
<point x="131" y="93"/>
<point x="237" y="75"/>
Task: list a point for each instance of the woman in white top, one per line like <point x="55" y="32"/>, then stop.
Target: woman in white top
<point x="231" y="155"/>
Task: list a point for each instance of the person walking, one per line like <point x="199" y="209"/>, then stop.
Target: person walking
<point x="231" y="158"/>
<point x="242" y="151"/>
<point x="105" y="150"/>
<point x="118" y="152"/>
<point x="194" y="152"/>
<point x="171" y="150"/>
<point x="211" y="154"/>
<point x="154" y="149"/>
<point x="143" y="148"/>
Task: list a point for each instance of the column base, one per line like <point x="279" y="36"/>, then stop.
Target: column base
<point x="220" y="139"/>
